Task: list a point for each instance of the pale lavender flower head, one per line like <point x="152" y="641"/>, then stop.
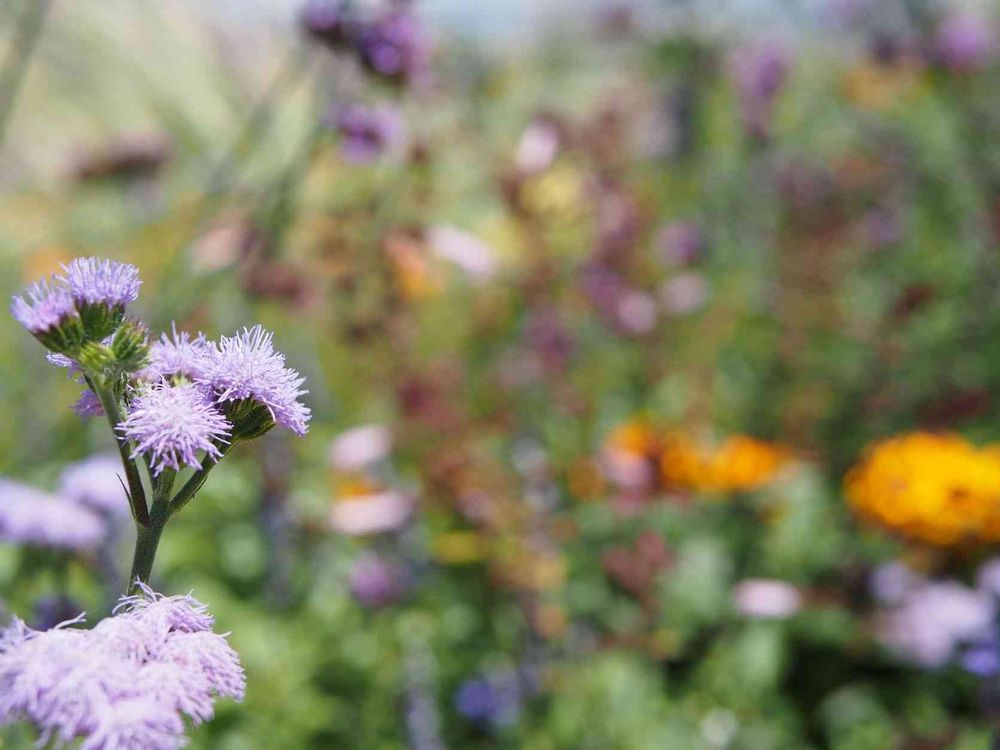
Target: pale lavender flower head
<point x="96" y="281"/>
<point x="760" y="71"/>
<point x="32" y="517"/>
<point x="394" y="45"/>
<point x="680" y="242"/>
<point x="127" y="684"/>
<point x="88" y="405"/>
<point x="44" y="307"/>
<point x="361" y="446"/>
<point x="366" y="132"/>
<point x="493" y="700"/>
<point x="245" y="369"/>
<point x="170" y="424"/>
<point x="176" y="354"/>
<point x="965" y="41"/>
<point x="96" y="483"/>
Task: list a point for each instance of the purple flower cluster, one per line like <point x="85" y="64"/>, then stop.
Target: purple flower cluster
<point x="491" y="701"/>
<point x="935" y="622"/>
<point x="86" y="301"/>
<point x="196" y="395"/>
<point x="375" y="581"/>
<point x="127" y="684"/>
<point x="170" y="424"/>
<point x="366" y="132"/>
<point x="391" y="43"/>
<point x="31" y="517"/>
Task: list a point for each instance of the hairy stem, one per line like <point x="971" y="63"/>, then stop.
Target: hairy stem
<point x="196" y="480"/>
<point x="148" y="537"/>
<point x="136" y="494"/>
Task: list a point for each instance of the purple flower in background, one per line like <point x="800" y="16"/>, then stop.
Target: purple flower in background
<point x="93" y="281"/>
<point x="327" y="21"/>
<point x="367" y="132"/>
<point x="935" y="618"/>
<point x="54" y="609"/>
<point x="95" y="482"/>
<point x="171" y="424"/>
<point x="981" y="659"/>
<point x="965" y="41"/>
<point x="766" y="598"/>
<point x="45" y="307"/>
<point x="760" y="71"/>
<point x="375" y="581"/>
<point x="469" y="253"/>
<point x="246" y="368"/>
<point x="680" y="242"/>
<point x="88" y="405"/>
<point x="684" y="293"/>
<point x="32" y="517"/>
<point x="177" y="354"/>
<point x="493" y="701"/>
<point x="128" y="683"/>
<point x="394" y="45"/>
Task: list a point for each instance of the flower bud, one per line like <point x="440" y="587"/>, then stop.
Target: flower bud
<point x="130" y="346"/>
<point x="250" y="419"/>
<point x="95" y="357"/>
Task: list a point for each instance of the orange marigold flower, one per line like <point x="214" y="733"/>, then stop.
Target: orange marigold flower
<point x="937" y="489"/>
<point x="740" y="464"/>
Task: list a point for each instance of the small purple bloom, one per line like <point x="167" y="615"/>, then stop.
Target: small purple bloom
<point x="177" y="354"/>
<point x="376" y="582"/>
<point x="94" y="281"/>
<point x="965" y="41"/>
<point x="88" y="405"/>
<point x="760" y="71"/>
<point x="45" y="307"/>
<point x="245" y="367"/>
<point x="493" y="701"/>
<point x="680" y="242"/>
<point x="327" y="21"/>
<point x="366" y="132"/>
<point x="32" y="517"/>
<point x="394" y="44"/>
<point x="171" y="423"/>
<point x="96" y="482"/>
<point x="981" y="659"/>
<point x="124" y="685"/>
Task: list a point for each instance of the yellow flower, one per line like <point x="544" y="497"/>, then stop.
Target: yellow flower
<point x="459" y="547"/>
<point x="938" y="489"/>
<point x="740" y="464"/>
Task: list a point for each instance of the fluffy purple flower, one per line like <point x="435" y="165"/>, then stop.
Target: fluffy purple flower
<point x="44" y="307"/>
<point x="32" y="517"/>
<point x="127" y="684"/>
<point x="177" y="354"/>
<point x="366" y="132"/>
<point x="246" y="369"/>
<point x="394" y="44"/>
<point x="93" y="281"/>
<point x="680" y="242"/>
<point x="96" y="483"/>
<point x="170" y="424"/>
<point x="965" y="41"/>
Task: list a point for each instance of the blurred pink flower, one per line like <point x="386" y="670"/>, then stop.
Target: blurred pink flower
<point x="766" y="598"/>
<point x="360" y="446"/>
<point x="637" y="312"/>
<point x="473" y="256"/>
<point x="538" y="147"/>
<point x="684" y="293"/>
<point x="377" y="513"/>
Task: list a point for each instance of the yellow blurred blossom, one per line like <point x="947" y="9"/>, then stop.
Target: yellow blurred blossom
<point x="740" y="464"/>
<point x="938" y="489"/>
<point x="459" y="547"/>
<point x="880" y="87"/>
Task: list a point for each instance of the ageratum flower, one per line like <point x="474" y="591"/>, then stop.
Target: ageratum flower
<point x="88" y="405"/>
<point x="171" y="424"/>
<point x="250" y="381"/>
<point x="48" y="312"/>
<point x="96" y="482"/>
<point x="327" y="21"/>
<point x="177" y="354"/>
<point x="32" y="517"/>
<point x="127" y="684"/>
<point x="366" y="132"/>
<point x="394" y="45"/>
<point x="101" y="289"/>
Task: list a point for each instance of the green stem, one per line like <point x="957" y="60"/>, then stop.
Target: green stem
<point x="137" y="495"/>
<point x="196" y="480"/>
<point x="148" y="537"/>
